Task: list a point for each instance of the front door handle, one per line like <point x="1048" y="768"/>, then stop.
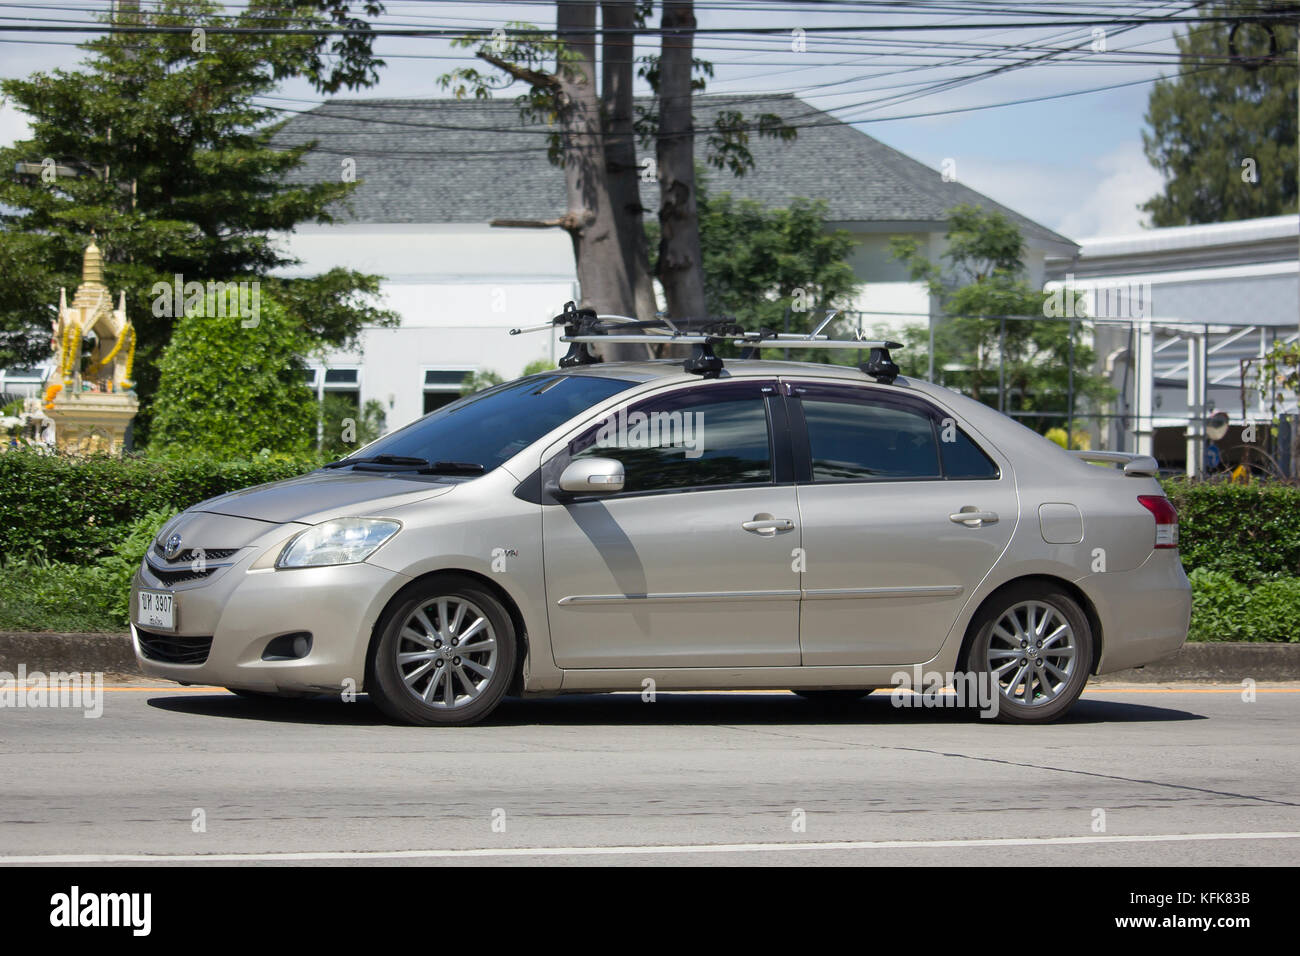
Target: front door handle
<point x="765" y="524"/>
<point x="972" y="518"/>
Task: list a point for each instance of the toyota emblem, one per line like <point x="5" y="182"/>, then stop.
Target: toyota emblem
<point x="173" y="546"/>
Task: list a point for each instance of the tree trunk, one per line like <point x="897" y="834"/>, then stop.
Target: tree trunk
<point x="590" y="218"/>
<point x="680" y="261"/>
<point x="617" y="20"/>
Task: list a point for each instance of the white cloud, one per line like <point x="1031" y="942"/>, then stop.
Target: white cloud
<point x="1110" y="208"/>
<point x="13" y="124"/>
<point x="1095" y="197"/>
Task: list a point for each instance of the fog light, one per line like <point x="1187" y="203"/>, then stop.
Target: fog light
<point x="288" y="647"/>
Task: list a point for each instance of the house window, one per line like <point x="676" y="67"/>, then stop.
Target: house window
<point x="442" y="386"/>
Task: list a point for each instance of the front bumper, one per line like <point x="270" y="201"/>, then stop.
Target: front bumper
<point x="1144" y="613"/>
<point x="243" y="610"/>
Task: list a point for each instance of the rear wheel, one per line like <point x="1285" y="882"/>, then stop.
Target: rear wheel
<point x="1033" y="644"/>
<point x="445" y="654"/>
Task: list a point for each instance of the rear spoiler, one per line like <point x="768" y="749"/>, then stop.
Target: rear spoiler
<point x="1137" y="466"/>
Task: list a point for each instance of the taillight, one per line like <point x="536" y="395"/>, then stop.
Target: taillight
<point x="1166" y="519"/>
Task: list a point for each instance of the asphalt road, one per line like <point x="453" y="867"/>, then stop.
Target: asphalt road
<point x="1185" y="776"/>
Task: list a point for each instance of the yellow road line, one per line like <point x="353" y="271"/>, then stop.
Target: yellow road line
<point x="1234" y="689"/>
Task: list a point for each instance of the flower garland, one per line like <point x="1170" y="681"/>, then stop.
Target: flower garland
<point x="130" y="356"/>
<point x="71" y="351"/>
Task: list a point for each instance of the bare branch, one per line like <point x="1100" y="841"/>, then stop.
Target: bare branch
<point x="533" y="77"/>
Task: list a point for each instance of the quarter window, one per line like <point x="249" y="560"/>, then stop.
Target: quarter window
<point x="963" y="459"/>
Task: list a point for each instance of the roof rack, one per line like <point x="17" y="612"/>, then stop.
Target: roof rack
<point x="585" y="327"/>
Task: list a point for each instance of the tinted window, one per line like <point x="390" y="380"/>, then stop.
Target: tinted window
<point x="857" y="439"/>
<point x="713" y="435"/>
<point x="490" y="426"/>
<point x="962" y="458"/>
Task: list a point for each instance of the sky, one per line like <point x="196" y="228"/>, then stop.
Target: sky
<point x="1073" y="163"/>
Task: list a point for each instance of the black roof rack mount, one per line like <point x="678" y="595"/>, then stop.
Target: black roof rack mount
<point x="584" y="327"/>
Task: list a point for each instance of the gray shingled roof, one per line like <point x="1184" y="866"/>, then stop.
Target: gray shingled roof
<point x="461" y="161"/>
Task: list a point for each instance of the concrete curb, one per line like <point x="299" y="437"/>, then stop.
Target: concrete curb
<point x="1220" y="663"/>
<point x="48" y="651"/>
<point x="1210" y="663"/>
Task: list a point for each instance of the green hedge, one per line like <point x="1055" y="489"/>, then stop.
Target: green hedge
<point x="1251" y="532"/>
<point x="64" y="509"/>
<point x="72" y="531"/>
<point x="1224" y="609"/>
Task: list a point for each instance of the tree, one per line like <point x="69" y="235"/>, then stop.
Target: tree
<point x="760" y="262"/>
<point x="680" y="262"/>
<point x="996" y="344"/>
<point x="1224" y="136"/>
<point x="618" y="59"/>
<point x="569" y="94"/>
<point x="564" y="96"/>
<point x="171" y="168"/>
<point x="228" y="389"/>
<point x="345" y="428"/>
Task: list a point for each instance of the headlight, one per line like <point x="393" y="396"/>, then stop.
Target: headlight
<point x="341" y="541"/>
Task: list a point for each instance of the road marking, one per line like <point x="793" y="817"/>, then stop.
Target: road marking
<point x="325" y="855"/>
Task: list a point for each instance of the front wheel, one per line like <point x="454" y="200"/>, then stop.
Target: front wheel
<point x="1034" y="647"/>
<point x="445" y="654"/>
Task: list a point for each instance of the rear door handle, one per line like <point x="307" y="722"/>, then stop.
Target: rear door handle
<point x="767" y="525"/>
<point x="974" y="519"/>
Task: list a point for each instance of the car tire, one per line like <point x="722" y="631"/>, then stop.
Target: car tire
<point x="835" y="696"/>
<point x="1032" y="640"/>
<point x="444" y="654"/>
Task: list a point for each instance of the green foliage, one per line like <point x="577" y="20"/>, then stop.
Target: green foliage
<point x="759" y="261"/>
<point x="1061" y="436"/>
<point x="994" y="317"/>
<point x="344" y="428"/>
<point x="1209" y="119"/>
<point x="537" y="365"/>
<point x="37" y="595"/>
<point x="527" y="58"/>
<point x="40" y="596"/>
<point x="230" y="391"/>
<point x="1249" y="531"/>
<point x="1224" y="609"/>
<point x="186" y="182"/>
<point x="69" y="509"/>
<point x="478" y="381"/>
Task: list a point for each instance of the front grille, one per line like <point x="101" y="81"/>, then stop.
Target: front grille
<point x="192" y="554"/>
<point x="172" y="649"/>
<point x="180" y="575"/>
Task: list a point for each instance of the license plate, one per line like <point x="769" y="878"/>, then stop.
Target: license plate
<point x="157" y="609"/>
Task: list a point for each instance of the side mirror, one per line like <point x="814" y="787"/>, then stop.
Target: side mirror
<point x="592" y="476"/>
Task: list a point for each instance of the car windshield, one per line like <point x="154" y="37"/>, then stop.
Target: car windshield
<point x="477" y="433"/>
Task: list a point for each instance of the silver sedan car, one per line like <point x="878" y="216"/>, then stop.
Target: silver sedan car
<point x="632" y="526"/>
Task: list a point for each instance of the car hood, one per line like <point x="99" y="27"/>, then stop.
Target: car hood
<point x="322" y="495"/>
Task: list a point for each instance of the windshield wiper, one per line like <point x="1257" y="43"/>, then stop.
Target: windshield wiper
<point x="403" y="460"/>
<point x="421" y="465"/>
<point x="456" y="468"/>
